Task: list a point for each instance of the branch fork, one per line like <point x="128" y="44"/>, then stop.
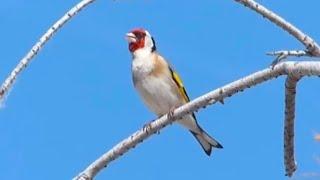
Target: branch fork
<point x="293" y="69"/>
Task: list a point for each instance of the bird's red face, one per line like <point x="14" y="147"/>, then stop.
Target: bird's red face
<point x="136" y="39"/>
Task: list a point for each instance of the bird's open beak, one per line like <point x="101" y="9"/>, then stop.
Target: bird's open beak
<point x="131" y="38"/>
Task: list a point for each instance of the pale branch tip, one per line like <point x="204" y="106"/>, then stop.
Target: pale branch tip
<point x="295" y="69"/>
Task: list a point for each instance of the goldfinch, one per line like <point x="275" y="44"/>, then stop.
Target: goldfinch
<point x="159" y="86"/>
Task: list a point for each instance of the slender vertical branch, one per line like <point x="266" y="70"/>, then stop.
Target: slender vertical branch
<point x="312" y="47"/>
<point x="290" y="96"/>
<point x="25" y="61"/>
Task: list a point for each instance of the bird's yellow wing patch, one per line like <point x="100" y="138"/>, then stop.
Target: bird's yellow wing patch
<point x="179" y="83"/>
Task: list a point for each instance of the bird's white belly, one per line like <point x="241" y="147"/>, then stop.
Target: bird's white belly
<point x="158" y="94"/>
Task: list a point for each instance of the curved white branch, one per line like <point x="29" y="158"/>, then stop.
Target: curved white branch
<point x="312" y="47"/>
<point x="290" y="102"/>
<point x="24" y="62"/>
<point x="286" y="68"/>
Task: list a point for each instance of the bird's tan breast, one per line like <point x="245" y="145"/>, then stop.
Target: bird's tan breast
<point x="157" y="88"/>
<point x="160" y="66"/>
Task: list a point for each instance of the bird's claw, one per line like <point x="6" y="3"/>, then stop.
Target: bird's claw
<point x="147" y="126"/>
<point x="171" y="113"/>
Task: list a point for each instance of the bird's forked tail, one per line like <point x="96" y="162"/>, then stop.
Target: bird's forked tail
<point x="206" y="141"/>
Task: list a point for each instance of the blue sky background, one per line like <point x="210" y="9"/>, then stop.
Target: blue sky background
<point x="76" y="100"/>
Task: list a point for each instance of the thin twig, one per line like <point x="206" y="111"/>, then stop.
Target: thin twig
<point x="24" y="62"/>
<point x="290" y="91"/>
<point x="281" y="55"/>
<point x="297" y="53"/>
<point x="293" y="68"/>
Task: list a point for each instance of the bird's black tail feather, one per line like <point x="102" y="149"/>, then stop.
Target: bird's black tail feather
<point x="206" y="141"/>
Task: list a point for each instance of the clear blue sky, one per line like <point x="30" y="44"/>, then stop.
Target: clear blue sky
<point x="76" y="100"/>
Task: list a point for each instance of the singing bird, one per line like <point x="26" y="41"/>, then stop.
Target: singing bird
<point x="160" y="86"/>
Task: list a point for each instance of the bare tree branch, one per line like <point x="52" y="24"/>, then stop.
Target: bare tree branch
<point x="281" y="55"/>
<point x="312" y="47"/>
<point x="24" y="62"/>
<point x="286" y="68"/>
<point x="297" y="53"/>
<point x="290" y="91"/>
